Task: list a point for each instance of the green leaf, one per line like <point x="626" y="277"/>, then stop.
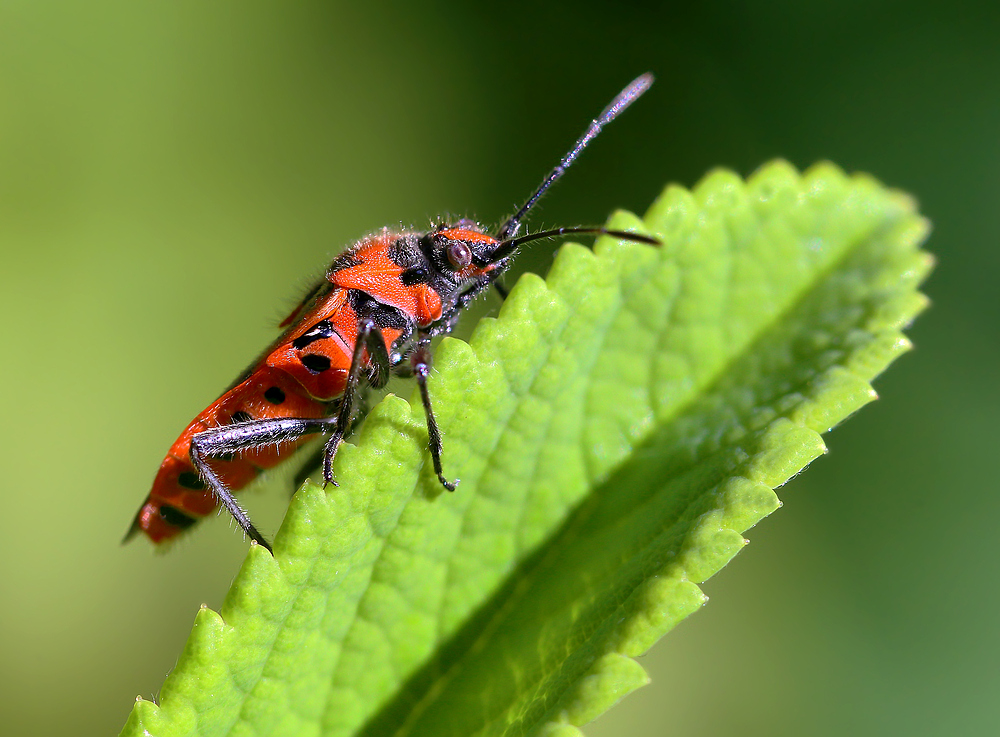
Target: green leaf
<point x="616" y="429"/>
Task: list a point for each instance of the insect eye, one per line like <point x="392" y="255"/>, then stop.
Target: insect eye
<point x="459" y="254"/>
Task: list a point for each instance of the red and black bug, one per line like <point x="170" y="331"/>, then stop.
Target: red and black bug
<point x="371" y="316"/>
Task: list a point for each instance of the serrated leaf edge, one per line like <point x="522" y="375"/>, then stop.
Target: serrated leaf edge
<point x="668" y="598"/>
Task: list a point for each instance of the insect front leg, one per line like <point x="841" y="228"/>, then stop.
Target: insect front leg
<point x="229" y="439"/>
<point x="370" y="338"/>
<point x="420" y="360"/>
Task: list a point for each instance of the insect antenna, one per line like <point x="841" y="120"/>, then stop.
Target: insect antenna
<point x="508" y="246"/>
<point x="625" y="98"/>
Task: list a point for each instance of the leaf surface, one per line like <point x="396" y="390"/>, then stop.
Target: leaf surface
<point x="616" y="429"/>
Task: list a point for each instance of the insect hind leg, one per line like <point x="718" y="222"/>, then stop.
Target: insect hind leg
<point x="222" y="441"/>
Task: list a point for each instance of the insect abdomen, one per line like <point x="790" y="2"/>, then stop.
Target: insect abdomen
<point x="179" y="497"/>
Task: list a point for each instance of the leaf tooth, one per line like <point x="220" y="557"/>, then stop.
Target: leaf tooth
<point x="922" y="265"/>
<point x="709" y="547"/>
<point x="146" y="719"/>
<point x="834" y="396"/>
<point x="299" y="538"/>
<point x="825" y="175"/>
<point x="915" y="228"/>
<point x="899" y="312"/>
<point x="559" y="729"/>
<point x="721" y="190"/>
<point x="874" y="357"/>
<point x="905" y="201"/>
<point x="207" y="652"/>
<point x="520" y="305"/>
<point x="773" y="176"/>
<point x="611" y="677"/>
<point x="656" y="607"/>
<point x="607" y="246"/>
<point x="774" y="187"/>
<point x="744" y="503"/>
<point x="578" y="270"/>
<point x="450" y="359"/>
<point x="531" y="317"/>
<point x="250" y="594"/>
<point x="783" y="450"/>
<point x="672" y="215"/>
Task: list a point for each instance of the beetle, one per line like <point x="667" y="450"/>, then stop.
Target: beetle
<point x="372" y="315"/>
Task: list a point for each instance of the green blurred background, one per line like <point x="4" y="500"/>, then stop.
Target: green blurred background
<point x="172" y="173"/>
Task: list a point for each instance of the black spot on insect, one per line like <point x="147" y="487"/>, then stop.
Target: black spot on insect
<point x="241" y="416"/>
<point x="274" y="395"/>
<point x="316" y="363"/>
<point x="189" y="480"/>
<point x="414" y="275"/>
<point x="175" y="517"/>
<point x="319" y="331"/>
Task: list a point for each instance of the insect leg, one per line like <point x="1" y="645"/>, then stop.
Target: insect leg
<point x="470" y="294"/>
<point x="421" y="361"/>
<point x="501" y="290"/>
<point x="370" y="337"/>
<point x="228" y="439"/>
<point x="445" y="326"/>
<point x="314" y="461"/>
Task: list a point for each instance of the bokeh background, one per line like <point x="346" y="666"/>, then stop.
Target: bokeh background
<point x="172" y="173"/>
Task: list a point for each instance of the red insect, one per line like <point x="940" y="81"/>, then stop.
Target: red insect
<point x="372" y="315"/>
